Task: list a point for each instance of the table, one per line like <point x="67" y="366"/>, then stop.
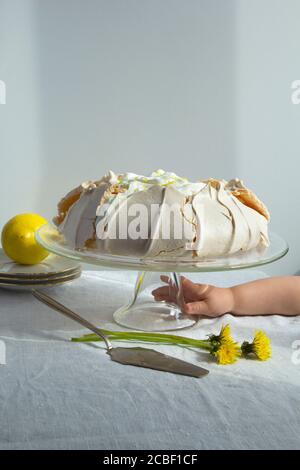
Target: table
<point x="55" y="394"/>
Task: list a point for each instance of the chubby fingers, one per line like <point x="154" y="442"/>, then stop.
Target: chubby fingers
<point x="167" y="293"/>
<point x="165" y="279"/>
<point x="190" y="308"/>
<point x="191" y="290"/>
<point x="161" y="292"/>
<point x="197" y="308"/>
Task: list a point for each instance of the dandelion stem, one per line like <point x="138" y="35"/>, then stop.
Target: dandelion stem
<point x="146" y="337"/>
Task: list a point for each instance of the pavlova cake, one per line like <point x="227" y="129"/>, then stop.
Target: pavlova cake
<point x="163" y="215"/>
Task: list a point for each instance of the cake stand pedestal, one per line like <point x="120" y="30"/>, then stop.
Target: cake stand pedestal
<point x="142" y="312"/>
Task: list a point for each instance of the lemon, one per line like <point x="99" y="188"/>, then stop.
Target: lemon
<point x="18" y="240"/>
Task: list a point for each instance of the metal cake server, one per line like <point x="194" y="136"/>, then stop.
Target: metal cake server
<point x="136" y="356"/>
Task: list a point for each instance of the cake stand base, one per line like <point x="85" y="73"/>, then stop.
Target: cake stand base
<point x="146" y="314"/>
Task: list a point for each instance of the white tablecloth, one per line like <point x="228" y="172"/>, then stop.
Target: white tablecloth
<point x="55" y="394"/>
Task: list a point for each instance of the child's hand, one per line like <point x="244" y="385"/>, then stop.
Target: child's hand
<point x="200" y="299"/>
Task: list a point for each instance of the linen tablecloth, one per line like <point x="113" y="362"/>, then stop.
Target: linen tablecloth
<point x="55" y="394"/>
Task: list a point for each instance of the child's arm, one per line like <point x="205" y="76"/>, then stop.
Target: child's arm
<point x="279" y="295"/>
<point x="268" y="296"/>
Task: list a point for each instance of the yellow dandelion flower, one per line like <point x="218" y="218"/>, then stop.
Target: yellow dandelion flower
<point x="223" y="337"/>
<point x="260" y="346"/>
<point x="227" y="353"/>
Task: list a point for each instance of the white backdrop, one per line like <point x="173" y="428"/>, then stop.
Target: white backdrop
<point x="199" y="87"/>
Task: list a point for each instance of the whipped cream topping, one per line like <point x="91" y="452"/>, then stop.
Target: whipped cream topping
<point x="133" y="182"/>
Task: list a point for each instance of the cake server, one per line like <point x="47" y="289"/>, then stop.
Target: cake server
<point x="135" y="356"/>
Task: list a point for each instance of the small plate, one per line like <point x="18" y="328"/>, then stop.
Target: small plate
<point x="25" y="280"/>
<point x="53" y="265"/>
<point x="35" y="284"/>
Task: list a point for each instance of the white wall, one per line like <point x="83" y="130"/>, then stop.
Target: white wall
<point x="99" y="84"/>
<point x="201" y="87"/>
<point x="21" y="159"/>
<point x="268" y="124"/>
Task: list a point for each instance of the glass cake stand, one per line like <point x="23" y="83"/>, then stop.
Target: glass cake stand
<point x="142" y="312"/>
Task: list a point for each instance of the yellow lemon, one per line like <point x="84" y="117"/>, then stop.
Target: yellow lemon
<point x="18" y="240"/>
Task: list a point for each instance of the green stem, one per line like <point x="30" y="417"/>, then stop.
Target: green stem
<point x="146" y="337"/>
